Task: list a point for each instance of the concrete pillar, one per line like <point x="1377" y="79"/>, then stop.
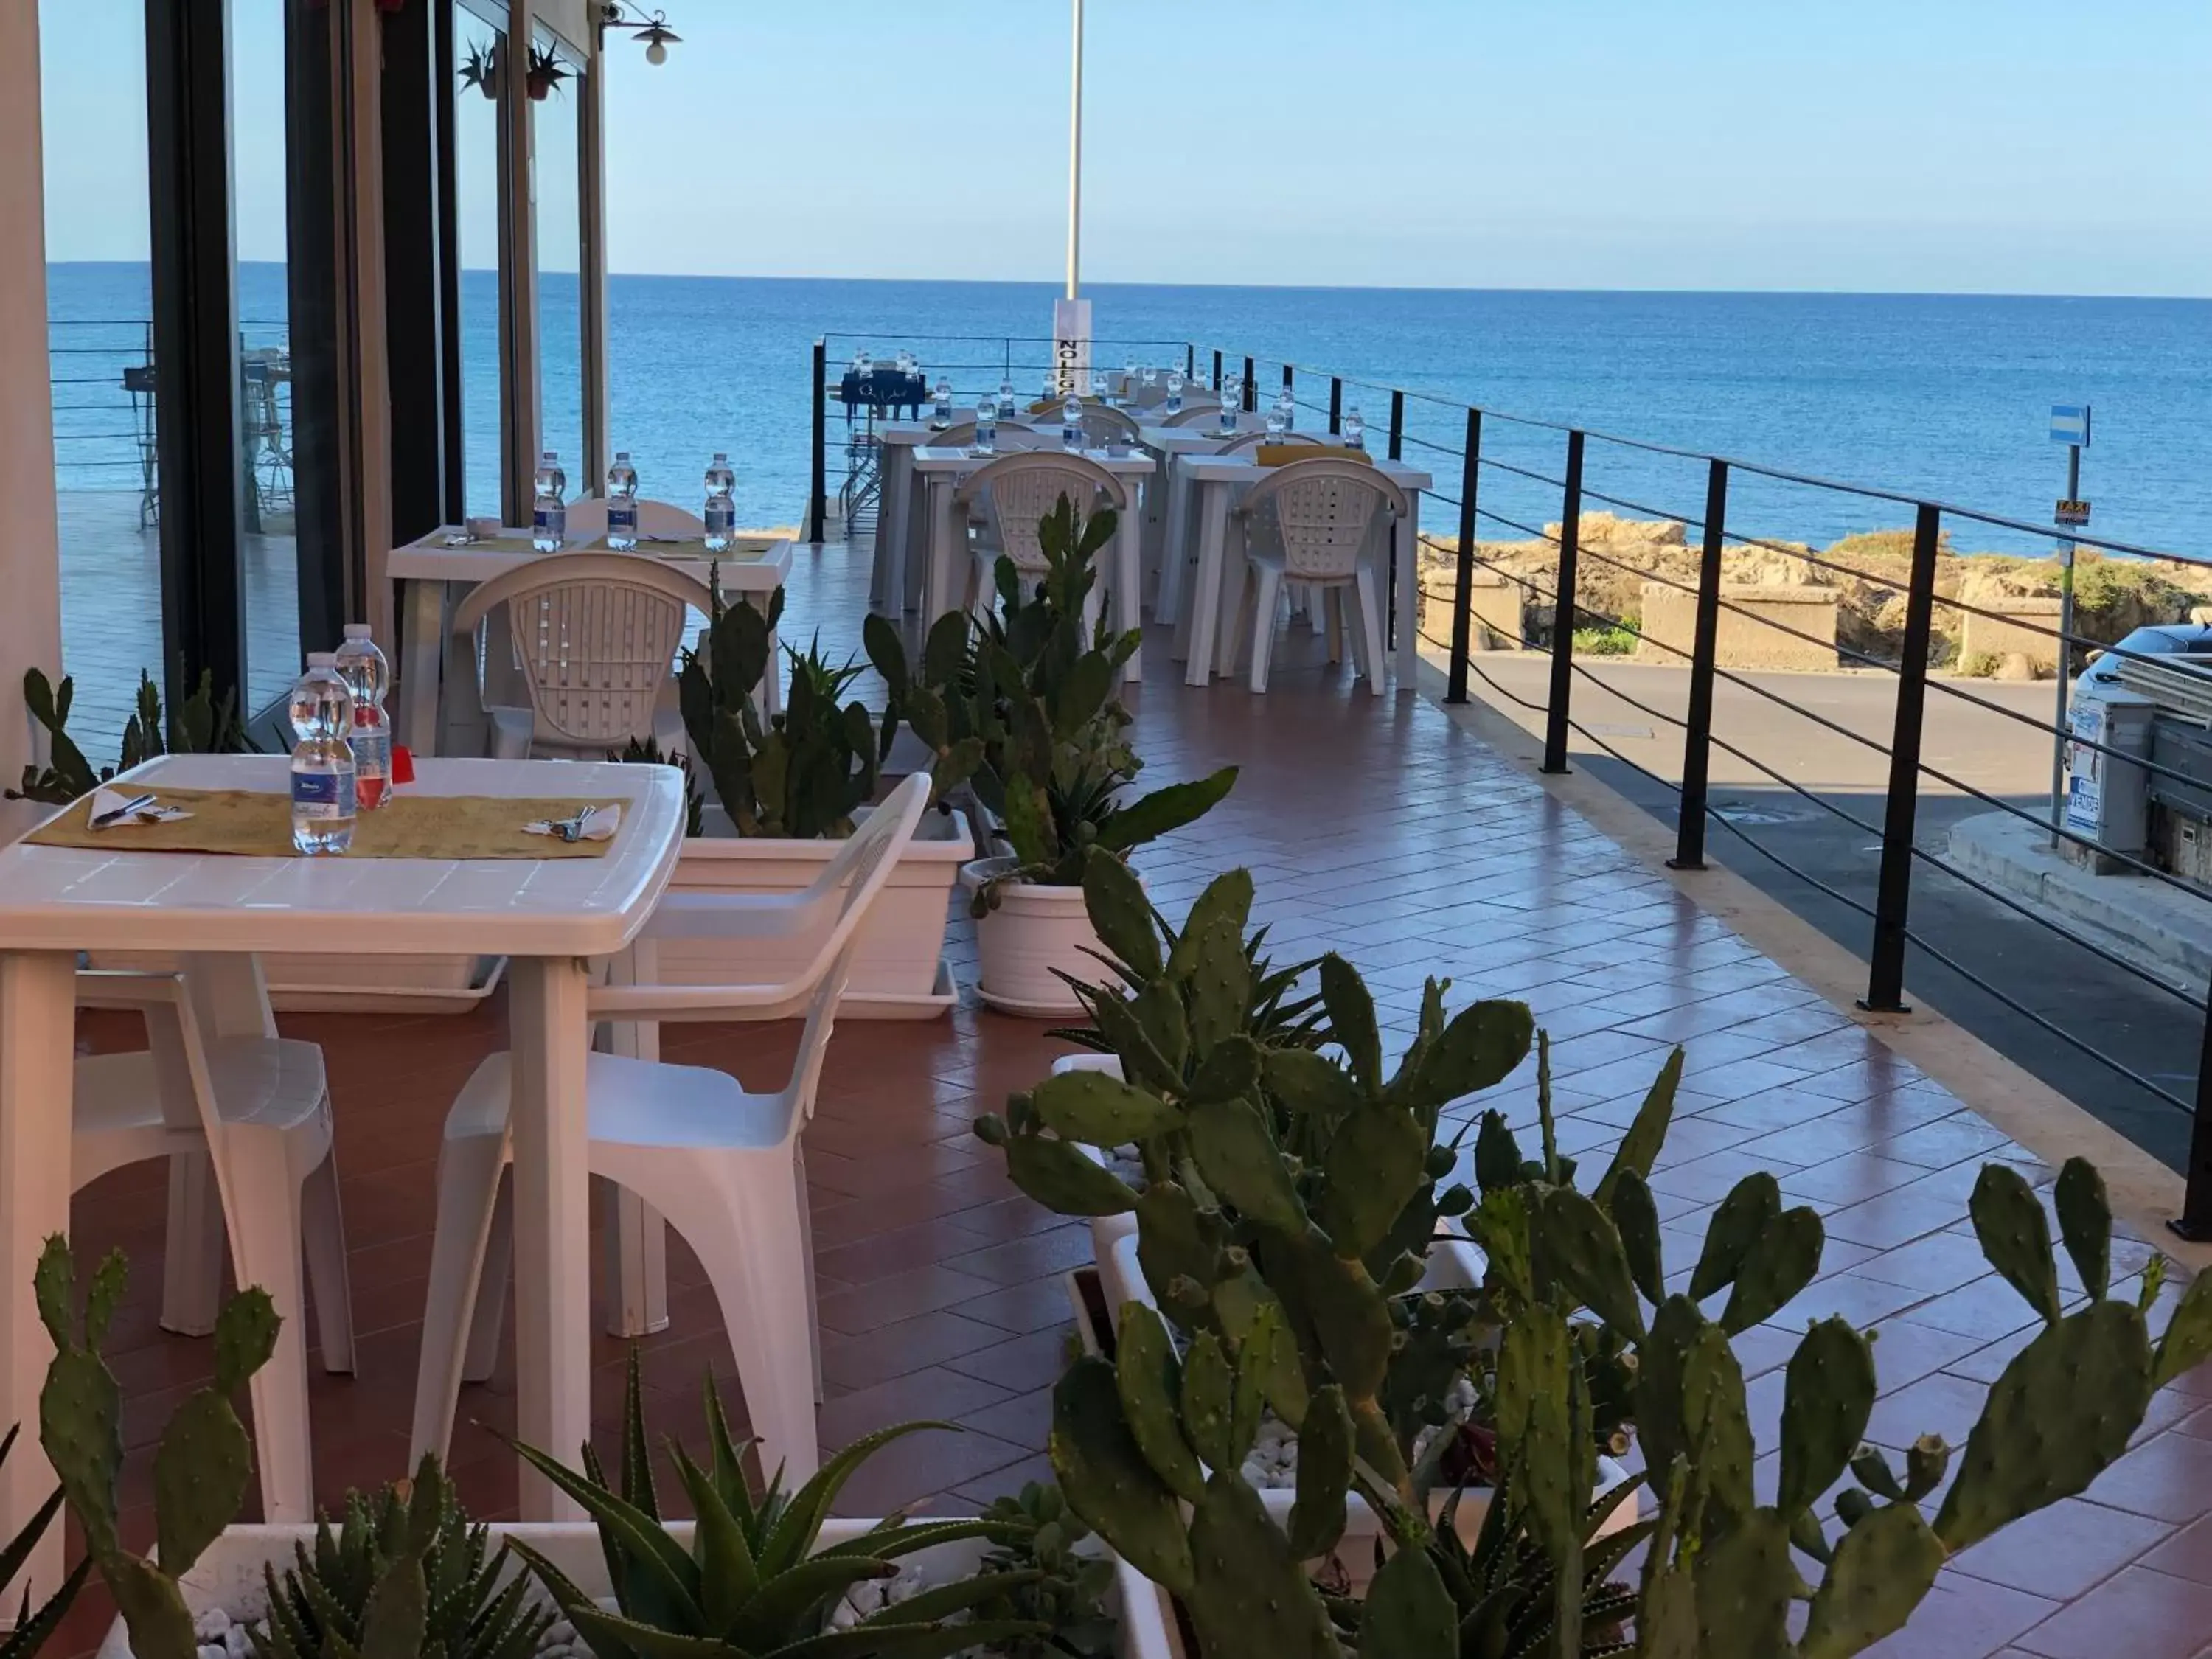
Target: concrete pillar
<point x="30" y="553"/>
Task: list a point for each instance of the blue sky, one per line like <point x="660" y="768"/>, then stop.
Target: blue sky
<point x="2023" y="146"/>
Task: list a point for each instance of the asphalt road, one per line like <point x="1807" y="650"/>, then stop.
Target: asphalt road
<point x="2155" y="1034"/>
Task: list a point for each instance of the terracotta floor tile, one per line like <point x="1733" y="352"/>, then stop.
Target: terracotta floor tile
<point x="935" y="1391"/>
<point x="1936" y="1264"/>
<point x="1964" y="1618"/>
<point x="2064" y="1550"/>
<point x="2139" y="1613"/>
<point x="2169" y="1476"/>
<point x="856" y="1362"/>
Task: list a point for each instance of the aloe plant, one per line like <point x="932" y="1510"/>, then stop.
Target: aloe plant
<point x="32" y="1628"/>
<point x="405" y="1573"/>
<point x="754" y="1585"/>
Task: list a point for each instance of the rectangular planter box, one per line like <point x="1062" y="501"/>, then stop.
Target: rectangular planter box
<point x="229" y="1575"/>
<point x="900" y="973"/>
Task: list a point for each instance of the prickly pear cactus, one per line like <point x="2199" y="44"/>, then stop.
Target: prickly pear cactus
<point x="201" y="1467"/>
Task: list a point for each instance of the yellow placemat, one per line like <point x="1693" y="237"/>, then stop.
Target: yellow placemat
<point x="253" y="824"/>
<point x="1284" y="454"/>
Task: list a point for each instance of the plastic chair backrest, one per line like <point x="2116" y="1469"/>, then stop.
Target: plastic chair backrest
<point x="595" y="635"/>
<point x="587" y="517"/>
<point x="1011" y="437"/>
<point x="1254" y="439"/>
<point x="182" y="1075"/>
<point x="1323" y="510"/>
<point x="867" y="859"/>
<point x="1018" y="490"/>
<point x="1104" y="424"/>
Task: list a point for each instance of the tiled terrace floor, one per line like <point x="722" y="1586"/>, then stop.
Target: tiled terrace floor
<point x="1375" y="827"/>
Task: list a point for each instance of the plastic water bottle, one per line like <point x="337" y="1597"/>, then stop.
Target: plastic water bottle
<point x="863" y="364"/>
<point x="1005" y="400"/>
<point x="1175" y="391"/>
<point x="367" y="679"/>
<point x="1130" y="370"/>
<point x="943" y="417"/>
<point x="1071" y="425"/>
<point x="1232" y="396"/>
<point x="1355" y="428"/>
<point x="1285" y="412"/>
<point x="548" y="514"/>
<point x="987" y="428"/>
<point x="721" y="510"/>
<point x="323" y="799"/>
<point x="1051" y="386"/>
<point x="1151" y="377"/>
<point x="622" y="503"/>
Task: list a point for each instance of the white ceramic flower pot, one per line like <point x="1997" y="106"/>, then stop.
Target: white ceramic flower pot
<point x="900" y="972"/>
<point x="1034" y="930"/>
<point x="230" y="1574"/>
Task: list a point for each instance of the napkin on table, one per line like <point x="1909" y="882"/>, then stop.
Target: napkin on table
<point x="600" y="823"/>
<point x="106" y="800"/>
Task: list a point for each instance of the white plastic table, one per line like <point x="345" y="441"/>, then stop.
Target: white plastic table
<point x="438" y="673"/>
<point x="220" y="915"/>
<point x="1218" y="588"/>
<point x="942" y="470"/>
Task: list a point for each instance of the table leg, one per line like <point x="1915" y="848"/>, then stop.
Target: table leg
<point x="37" y="1022"/>
<point x="887" y="593"/>
<point x="424" y="606"/>
<point x="550" y="1038"/>
<point x="1409" y="591"/>
<point x="635" y="1255"/>
<point x="1128" y="596"/>
<point x="1205" y="585"/>
<point x="1167" y="607"/>
<point x="942" y="591"/>
<point x="1228" y="610"/>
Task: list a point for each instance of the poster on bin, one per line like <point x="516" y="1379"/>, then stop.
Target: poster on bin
<point x="2085" y="771"/>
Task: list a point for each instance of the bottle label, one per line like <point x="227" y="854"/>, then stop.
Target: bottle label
<point x="371" y="763"/>
<point x="323" y="797"/>
<point x="550" y="521"/>
<point x="622" y="518"/>
<point x="720" y="515"/>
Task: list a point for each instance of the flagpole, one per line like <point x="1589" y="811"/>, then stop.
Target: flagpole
<point x="1075" y="161"/>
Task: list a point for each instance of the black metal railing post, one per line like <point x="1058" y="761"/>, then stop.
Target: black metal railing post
<point x="816" y="501"/>
<point x="2194" y="1221"/>
<point x="1335" y="405"/>
<point x="1462" y="632"/>
<point x="1697" y="733"/>
<point x="1251" y="391"/>
<point x="1217" y="371"/>
<point x="1894" y="896"/>
<point x="1289" y="376"/>
<point x="1390" y="566"/>
<point x="1397" y="426"/>
<point x="1563" y="611"/>
<point x="1189" y="361"/>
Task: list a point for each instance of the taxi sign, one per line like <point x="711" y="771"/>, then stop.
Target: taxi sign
<point x="2072" y="513"/>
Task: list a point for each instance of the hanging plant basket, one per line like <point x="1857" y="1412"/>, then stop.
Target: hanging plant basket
<point x="545" y="75"/>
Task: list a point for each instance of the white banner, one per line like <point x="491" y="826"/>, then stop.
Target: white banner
<point x="1070" y="345"/>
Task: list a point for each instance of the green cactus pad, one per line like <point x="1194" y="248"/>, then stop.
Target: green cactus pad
<point x="1501" y="1225"/>
<point x="1309" y="1082"/>
<point x="2085" y="1223"/>
<point x="80" y="1430"/>
<point x="1057" y="1175"/>
<point x="1150" y="1381"/>
<point x="1230" y="1071"/>
<point x="1498" y="1162"/>
<point x="1409" y="1615"/>
<point x="1209" y="1385"/>
<point x="1484" y="1045"/>
<point x="244" y="1337"/>
<point x="2188" y="1339"/>
<point x="1647" y="1133"/>
<point x="2062" y="1412"/>
<point x="1236" y="1154"/>
<point x="1636" y="1218"/>
<point x="1106" y="1480"/>
<point x="1745" y="1581"/>
<point x="1121" y="1032"/>
<point x="1352" y="1020"/>
<point x="1250" y="1593"/>
<point x="1220" y="985"/>
<point x="1873" y="1472"/>
<point x="1718" y="1424"/>
<point x="201" y="1470"/>
<point x="1786" y="1260"/>
<point x="1345" y="1308"/>
<point x="1176" y="1240"/>
<point x="1738" y="1221"/>
<point x="1324" y="1474"/>
<point x="1121" y="914"/>
<point x="1661" y="1359"/>
<point x="1267" y="1347"/>
<point x="1100" y="1109"/>
<point x="1580" y="1248"/>
<point x="2016" y="1237"/>
<point x="1226" y="902"/>
<point x="1158" y="1009"/>
<point x="1880" y="1570"/>
<point x="1828" y="1394"/>
<point x="152" y="1608"/>
<point x="1373" y="1167"/>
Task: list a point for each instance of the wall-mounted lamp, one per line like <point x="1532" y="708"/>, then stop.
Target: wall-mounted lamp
<point x="653" y="30"/>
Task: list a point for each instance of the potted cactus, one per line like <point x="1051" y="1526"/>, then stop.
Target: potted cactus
<point x="1285" y="1210"/>
<point x="1021" y="704"/>
<point x="785" y="790"/>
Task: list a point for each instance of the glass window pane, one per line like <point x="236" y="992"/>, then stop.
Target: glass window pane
<point x="477" y="48"/>
<point x="100" y="303"/>
<point x="555" y="87"/>
<point x="270" y="553"/>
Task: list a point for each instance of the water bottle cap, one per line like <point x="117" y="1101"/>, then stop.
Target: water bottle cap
<point x="721" y="454"/>
<point x="322" y="658"/>
<point x="550" y="455"/>
<point x="622" y="454"/>
<point x="356" y="631"/>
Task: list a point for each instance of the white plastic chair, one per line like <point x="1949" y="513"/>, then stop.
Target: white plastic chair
<point x="1015" y="492"/>
<point x="261" y="1107"/>
<point x="587" y="519"/>
<point x="723" y="1166"/>
<point x="1310" y="521"/>
<point x="595" y="636"/>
